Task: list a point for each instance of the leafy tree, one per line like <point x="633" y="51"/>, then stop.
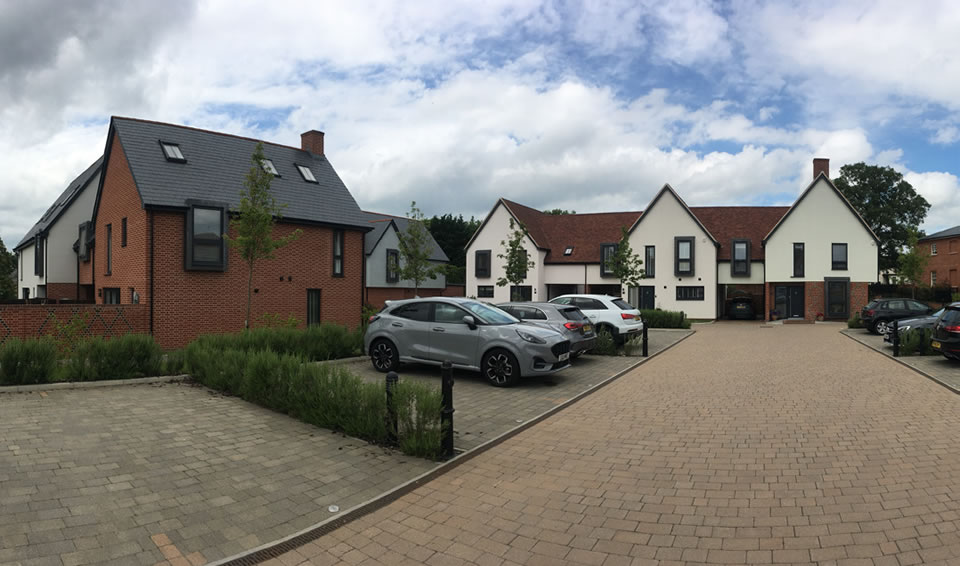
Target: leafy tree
<point x="914" y="262"/>
<point x="254" y="222"/>
<point x="559" y="211"/>
<point x="452" y="234"/>
<point x="516" y="263"/>
<point x="624" y="264"/>
<point x="8" y="264"/>
<point x="888" y="204"/>
<point x="415" y="250"/>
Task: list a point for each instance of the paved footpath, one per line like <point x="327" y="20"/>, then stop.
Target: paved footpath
<point x="744" y="444"/>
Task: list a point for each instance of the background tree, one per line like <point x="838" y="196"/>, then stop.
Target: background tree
<point x="516" y="263"/>
<point x="415" y="249"/>
<point x="888" y="204"/>
<point x="913" y="263"/>
<point x="8" y="264"/>
<point x="452" y="234"/>
<point x="624" y="264"/>
<point x="254" y="222"/>
<point x="559" y="211"/>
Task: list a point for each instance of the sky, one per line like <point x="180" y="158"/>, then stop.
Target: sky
<point x="587" y="106"/>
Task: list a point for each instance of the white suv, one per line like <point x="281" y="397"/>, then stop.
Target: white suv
<point x="612" y="314"/>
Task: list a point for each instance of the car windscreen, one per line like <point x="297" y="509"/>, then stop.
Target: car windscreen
<point x="572" y="313"/>
<point x="624" y="305"/>
<point x="489" y="314"/>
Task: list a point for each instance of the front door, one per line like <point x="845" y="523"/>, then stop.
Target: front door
<point x="788" y="301"/>
<point x="646" y="297"/>
<point x="796" y="302"/>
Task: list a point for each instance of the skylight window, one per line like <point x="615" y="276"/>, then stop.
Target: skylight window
<point x="172" y="152"/>
<point x="568" y="251"/>
<point x="306" y="173"/>
<point x="269" y="168"/>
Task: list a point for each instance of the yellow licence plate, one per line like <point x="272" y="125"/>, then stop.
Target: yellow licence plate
<point x="587" y="328"/>
<point x="935" y="344"/>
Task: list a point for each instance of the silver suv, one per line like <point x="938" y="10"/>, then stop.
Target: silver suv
<point x="473" y="335"/>
<point x="565" y="319"/>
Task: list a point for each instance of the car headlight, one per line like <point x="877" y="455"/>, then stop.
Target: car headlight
<point x="532" y="338"/>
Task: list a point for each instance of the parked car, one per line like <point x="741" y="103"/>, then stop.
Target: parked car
<point x="473" y="335"/>
<point x="611" y="314"/>
<point x="741" y="307"/>
<point x="946" y="332"/>
<point x="568" y="320"/>
<point x="879" y="313"/>
<point x="906" y="324"/>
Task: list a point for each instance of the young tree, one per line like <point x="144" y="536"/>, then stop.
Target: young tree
<point x="8" y="263"/>
<point x="624" y="264"/>
<point x="913" y="263"/>
<point x="415" y="250"/>
<point x="254" y="222"/>
<point x="516" y="263"/>
<point x="888" y="204"/>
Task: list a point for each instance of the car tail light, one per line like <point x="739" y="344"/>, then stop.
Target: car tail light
<point x="572" y="325"/>
<point x="627" y="316"/>
<point x="373" y="318"/>
<point x="952" y="328"/>
<point x="868" y="312"/>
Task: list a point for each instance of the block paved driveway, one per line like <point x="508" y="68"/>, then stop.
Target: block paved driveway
<point x="786" y="444"/>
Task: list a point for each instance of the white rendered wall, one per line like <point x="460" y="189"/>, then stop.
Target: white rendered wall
<point x="495" y="231"/>
<point x="756" y="274"/>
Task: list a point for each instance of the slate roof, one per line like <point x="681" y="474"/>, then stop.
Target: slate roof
<point x="215" y="168"/>
<point x="728" y="223"/>
<point x="380" y="223"/>
<point x="66" y="198"/>
<point x="948" y="233"/>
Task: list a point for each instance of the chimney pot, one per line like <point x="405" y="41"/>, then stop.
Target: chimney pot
<point x="821" y="165"/>
<point x="312" y="141"/>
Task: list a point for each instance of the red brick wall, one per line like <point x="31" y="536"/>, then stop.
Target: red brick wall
<point x="31" y="321"/>
<point x="814" y="297"/>
<point x="86" y="270"/>
<point x="454" y="291"/>
<point x="947" y="258"/>
<point x="62" y="291"/>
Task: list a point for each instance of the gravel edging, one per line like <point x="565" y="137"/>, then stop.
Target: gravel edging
<point x="92" y="384"/>
<point x="900" y="361"/>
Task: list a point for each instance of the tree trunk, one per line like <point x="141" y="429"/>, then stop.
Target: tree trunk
<point x="246" y="322"/>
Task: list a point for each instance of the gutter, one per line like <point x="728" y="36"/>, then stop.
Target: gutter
<point x="150" y="214"/>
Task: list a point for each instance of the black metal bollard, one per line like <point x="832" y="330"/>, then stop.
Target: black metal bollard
<point x="446" y="415"/>
<point x="644" y="339"/>
<point x="896" y="339"/>
<point x="392" y="379"/>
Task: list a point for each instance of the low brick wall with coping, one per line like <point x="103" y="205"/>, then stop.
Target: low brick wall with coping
<point x="33" y="321"/>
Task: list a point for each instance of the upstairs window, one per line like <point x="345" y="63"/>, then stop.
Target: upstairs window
<point x="933" y="278"/>
<point x="205" y="250"/>
<point x="393" y="266"/>
<point x="481" y="264"/>
<point x="172" y="152"/>
<point x="650" y="261"/>
<point x="109" y="249"/>
<point x="683" y="252"/>
<point x="740" y="264"/>
<point x="568" y="250"/>
<point x="123" y="232"/>
<point x="338" y="253"/>
<point x="38" y="256"/>
<point x="933" y="249"/>
<point x="798" y="259"/>
<point x="607" y="253"/>
<point x="269" y="168"/>
<point x="306" y="173"/>
<point x="839" y="255"/>
<point x="524" y="262"/>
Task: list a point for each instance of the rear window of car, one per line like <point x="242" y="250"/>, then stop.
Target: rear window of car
<point x="589" y="304"/>
<point x="895" y="305"/>
<point x="624" y="305"/>
<point x="952" y="316"/>
<point x="413" y="311"/>
<point x="572" y="314"/>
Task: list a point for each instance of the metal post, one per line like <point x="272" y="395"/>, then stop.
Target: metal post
<point x="392" y="379"/>
<point x="896" y="339"/>
<point x="446" y="415"/>
<point x="644" y="339"/>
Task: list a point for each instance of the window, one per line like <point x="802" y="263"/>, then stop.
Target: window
<point x="134" y="296"/>
<point x="123" y="233"/>
<point x="485" y="291"/>
<point x="111" y="295"/>
<point x="740" y="264"/>
<point x="449" y="314"/>
<point x="482" y="263"/>
<point x="839" y="254"/>
<point x="520" y="293"/>
<point x="690" y="293"/>
<point x="897" y="305"/>
<point x="313" y="307"/>
<point x="933" y="278"/>
<point x="109" y="249"/>
<point x="588" y="304"/>
<point x="568" y="250"/>
<point x="338" y="253"/>
<point x="838" y="293"/>
<point x="38" y="256"/>
<point x="798" y="259"/>
<point x="41" y="291"/>
<point x="269" y="168"/>
<point x="933" y="249"/>
<point x="205" y="250"/>
<point x="393" y="266"/>
<point x="413" y="311"/>
<point x="684" y="256"/>
<point x="953" y="246"/>
<point x="523" y="262"/>
<point x="650" y="261"/>
<point x="172" y="152"/>
<point x="306" y="173"/>
<point x="84" y="241"/>
<point x="607" y="254"/>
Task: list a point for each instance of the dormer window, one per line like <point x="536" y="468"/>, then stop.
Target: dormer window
<point x="172" y="152"/>
<point x="306" y="173"/>
<point x="568" y="251"/>
<point x="269" y="168"/>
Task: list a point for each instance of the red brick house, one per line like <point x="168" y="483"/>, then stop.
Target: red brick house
<point x="943" y="262"/>
<point x="163" y="202"/>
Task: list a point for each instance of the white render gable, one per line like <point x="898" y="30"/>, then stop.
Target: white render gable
<point x="494" y="231"/>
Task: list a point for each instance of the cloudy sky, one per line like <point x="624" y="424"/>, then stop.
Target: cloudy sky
<point x="585" y="105"/>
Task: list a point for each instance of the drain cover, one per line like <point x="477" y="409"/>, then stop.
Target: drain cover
<point x="334" y="509"/>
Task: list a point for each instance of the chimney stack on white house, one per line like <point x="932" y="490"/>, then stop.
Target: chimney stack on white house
<point x="820" y="165"/>
<point x="312" y="141"/>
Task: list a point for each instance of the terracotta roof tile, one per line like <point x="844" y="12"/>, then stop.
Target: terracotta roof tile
<point x="728" y="223"/>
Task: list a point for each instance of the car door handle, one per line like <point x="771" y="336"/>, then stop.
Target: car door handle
<point x="397" y="324"/>
<point x="438" y="329"/>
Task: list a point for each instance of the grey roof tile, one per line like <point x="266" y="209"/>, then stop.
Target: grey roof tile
<point x="948" y="233"/>
<point x="380" y="222"/>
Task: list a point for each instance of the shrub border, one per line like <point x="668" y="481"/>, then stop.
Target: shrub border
<point x="92" y="384"/>
<point x="281" y="546"/>
<point x="900" y="361"/>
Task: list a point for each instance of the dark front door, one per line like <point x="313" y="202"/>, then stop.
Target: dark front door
<point x="646" y="297"/>
<point x="313" y="306"/>
<point x="788" y="301"/>
<point x="795" y="307"/>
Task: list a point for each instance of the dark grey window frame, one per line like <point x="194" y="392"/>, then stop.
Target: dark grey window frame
<point x="83" y="243"/>
<point x="605" y="270"/>
<point x="38" y="253"/>
<point x="273" y="166"/>
<point x="107" y="291"/>
<point x="189" y="264"/>
<point x="123" y="232"/>
<point x="519" y="291"/>
<point x="836" y="265"/>
<point x="799" y="247"/>
<point x="676" y="256"/>
<point x="826" y="297"/>
<point x="338" y="254"/>
<point x="697" y="296"/>
<point x="314" y="295"/>
<point x="109" y="249"/>
<point x="650" y="261"/>
<point x="393" y="275"/>
<point x="481" y="269"/>
<point x="481" y="295"/>
<point x="300" y="167"/>
<point x="734" y="272"/>
<point x="169" y="157"/>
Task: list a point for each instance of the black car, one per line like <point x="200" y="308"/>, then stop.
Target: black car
<point x="907" y="324"/>
<point x="946" y="332"/>
<point x="741" y="307"/>
<point x="879" y="313"/>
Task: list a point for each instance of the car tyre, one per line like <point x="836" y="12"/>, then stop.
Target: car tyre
<point x="880" y="326"/>
<point x="384" y="355"/>
<point x="500" y="368"/>
<point x="617" y="339"/>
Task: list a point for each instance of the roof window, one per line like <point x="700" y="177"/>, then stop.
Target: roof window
<point x="568" y="251"/>
<point x="269" y="168"/>
<point x="306" y="173"/>
<point x="172" y="152"/>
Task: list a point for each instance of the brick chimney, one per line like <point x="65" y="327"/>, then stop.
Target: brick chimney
<point x="312" y="141"/>
<point x="820" y="164"/>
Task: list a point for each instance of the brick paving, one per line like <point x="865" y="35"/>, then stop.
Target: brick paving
<point x="940" y="368"/>
<point x="745" y="444"/>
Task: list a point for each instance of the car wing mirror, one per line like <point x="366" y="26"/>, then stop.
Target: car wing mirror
<point x="470" y="321"/>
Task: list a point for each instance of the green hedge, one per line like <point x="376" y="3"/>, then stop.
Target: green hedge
<point x="854" y="321"/>
<point x="324" y="395"/>
<point x="656" y="318"/>
<point x="26" y="362"/>
<point x="319" y="342"/>
<point x="916" y="342"/>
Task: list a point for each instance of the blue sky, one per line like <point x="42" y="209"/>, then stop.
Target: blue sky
<point x="591" y="106"/>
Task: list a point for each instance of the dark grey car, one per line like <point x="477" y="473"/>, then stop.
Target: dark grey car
<point x="472" y="335"/>
<point x="565" y="319"/>
<point x="911" y="324"/>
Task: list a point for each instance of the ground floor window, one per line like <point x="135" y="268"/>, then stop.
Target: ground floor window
<point x="838" y="298"/>
<point x="521" y="293"/>
<point x="313" y="306"/>
<point x="485" y="291"/>
<point x="693" y="293"/>
<point x="111" y="295"/>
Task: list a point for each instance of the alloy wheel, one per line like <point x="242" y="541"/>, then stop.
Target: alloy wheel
<point x="382" y="356"/>
<point x="499" y="368"/>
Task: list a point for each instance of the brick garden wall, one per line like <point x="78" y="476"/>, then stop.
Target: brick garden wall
<point x="377" y="296"/>
<point x="32" y="321"/>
